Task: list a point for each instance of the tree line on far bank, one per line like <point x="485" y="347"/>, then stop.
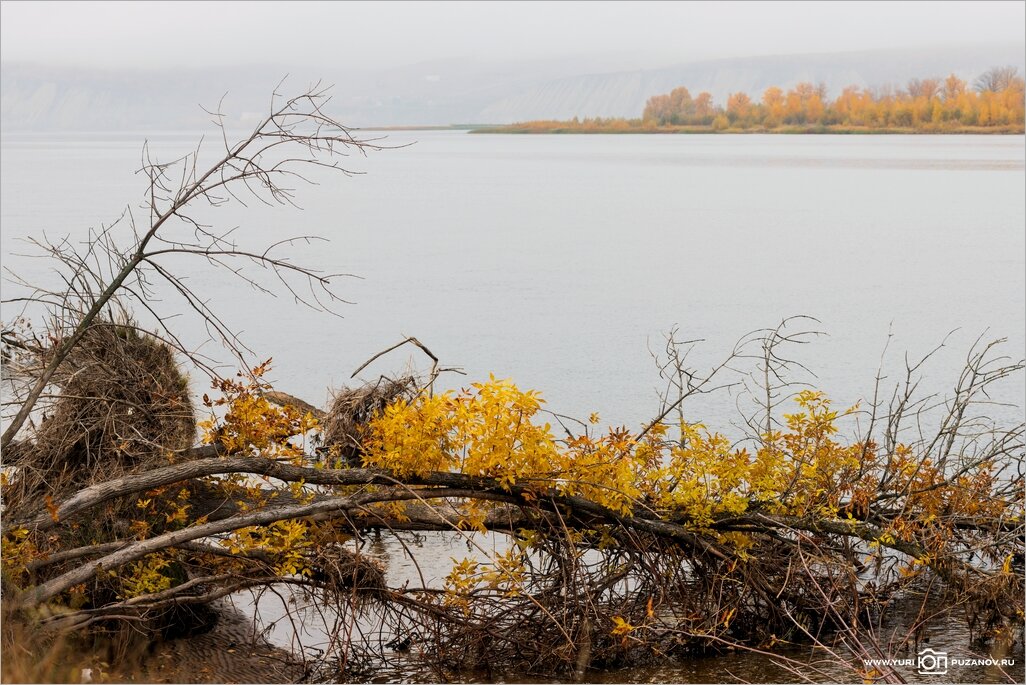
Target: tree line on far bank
<point x="995" y="101"/>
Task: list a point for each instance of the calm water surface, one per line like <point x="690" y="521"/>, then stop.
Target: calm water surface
<point x="560" y="260"/>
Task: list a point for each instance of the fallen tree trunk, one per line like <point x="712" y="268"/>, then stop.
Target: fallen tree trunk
<point x="424" y="488"/>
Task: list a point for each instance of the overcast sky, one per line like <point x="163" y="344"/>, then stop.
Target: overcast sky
<point x="368" y="35"/>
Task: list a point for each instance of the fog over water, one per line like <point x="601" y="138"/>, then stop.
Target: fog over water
<point x="101" y="66"/>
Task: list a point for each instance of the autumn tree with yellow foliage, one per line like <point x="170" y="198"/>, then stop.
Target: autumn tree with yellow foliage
<point x="923" y="105"/>
<point x="619" y="544"/>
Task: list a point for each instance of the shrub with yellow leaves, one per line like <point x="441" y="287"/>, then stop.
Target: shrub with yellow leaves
<point x="252" y="424"/>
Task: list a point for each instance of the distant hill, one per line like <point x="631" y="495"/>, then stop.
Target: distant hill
<point x="35" y="98"/>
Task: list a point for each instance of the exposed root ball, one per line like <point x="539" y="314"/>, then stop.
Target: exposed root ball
<point x="121" y="403"/>
<point x="352" y="408"/>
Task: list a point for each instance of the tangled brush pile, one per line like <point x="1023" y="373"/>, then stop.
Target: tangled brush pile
<point x="352" y="408"/>
<point x="117" y="404"/>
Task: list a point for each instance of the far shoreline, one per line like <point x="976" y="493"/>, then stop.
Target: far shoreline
<point x="519" y="129"/>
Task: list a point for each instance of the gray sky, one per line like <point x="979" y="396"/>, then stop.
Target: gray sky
<point x="368" y="35"/>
